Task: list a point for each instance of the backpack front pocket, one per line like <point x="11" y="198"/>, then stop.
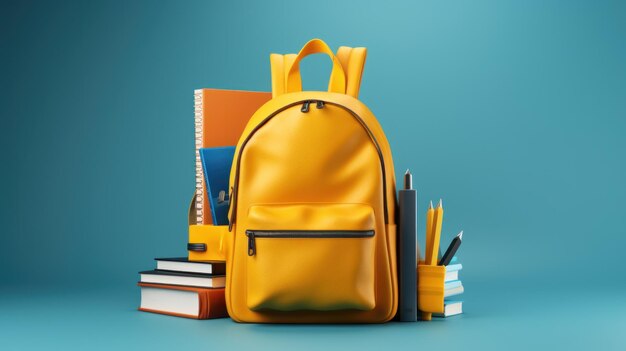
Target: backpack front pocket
<point x="316" y="257"/>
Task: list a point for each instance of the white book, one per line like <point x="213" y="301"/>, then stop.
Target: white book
<point x="187" y="279"/>
<point x="170" y="301"/>
<point x="182" y="264"/>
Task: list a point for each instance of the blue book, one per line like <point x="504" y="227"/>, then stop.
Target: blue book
<point x="454" y="267"/>
<point x="450" y="308"/>
<point x="453" y="288"/>
<point x="453" y="284"/>
<point x="452" y="271"/>
<point x="216" y="162"/>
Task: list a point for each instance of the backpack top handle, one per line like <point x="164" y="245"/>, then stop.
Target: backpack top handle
<point x="337" y="83"/>
<point x="352" y="62"/>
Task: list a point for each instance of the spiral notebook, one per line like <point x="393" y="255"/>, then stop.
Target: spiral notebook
<point x="220" y="118"/>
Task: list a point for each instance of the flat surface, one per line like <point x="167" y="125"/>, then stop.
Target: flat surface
<point x="513" y="319"/>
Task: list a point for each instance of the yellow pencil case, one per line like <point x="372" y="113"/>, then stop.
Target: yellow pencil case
<point x="207" y="242"/>
<point x="430" y="288"/>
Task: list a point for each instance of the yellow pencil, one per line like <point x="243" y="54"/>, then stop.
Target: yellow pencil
<point x="429" y="232"/>
<point x="437" y="222"/>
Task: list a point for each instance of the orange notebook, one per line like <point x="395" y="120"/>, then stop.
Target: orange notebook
<point x="183" y="301"/>
<point x="220" y="118"/>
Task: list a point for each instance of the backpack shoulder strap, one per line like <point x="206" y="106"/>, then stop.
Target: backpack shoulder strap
<point x="280" y="65"/>
<point x="352" y="60"/>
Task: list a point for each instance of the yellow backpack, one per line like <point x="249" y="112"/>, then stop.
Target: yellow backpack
<point x="312" y="210"/>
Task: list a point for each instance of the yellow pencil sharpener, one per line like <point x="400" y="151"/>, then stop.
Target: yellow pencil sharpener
<point x="207" y="242"/>
<point x="430" y="288"/>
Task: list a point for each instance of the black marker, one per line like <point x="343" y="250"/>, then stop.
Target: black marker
<point x="454" y="245"/>
<point x="407" y="198"/>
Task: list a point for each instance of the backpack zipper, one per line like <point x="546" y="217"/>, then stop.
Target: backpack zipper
<point x="235" y="188"/>
<point x="305" y="106"/>
<point x="298" y="234"/>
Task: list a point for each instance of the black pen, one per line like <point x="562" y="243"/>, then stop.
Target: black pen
<point x="454" y="245"/>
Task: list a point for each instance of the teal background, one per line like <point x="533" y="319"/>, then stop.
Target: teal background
<point x="512" y="112"/>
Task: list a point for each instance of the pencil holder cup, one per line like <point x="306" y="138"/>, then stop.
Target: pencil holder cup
<point x="430" y="288"/>
<point x="207" y="242"/>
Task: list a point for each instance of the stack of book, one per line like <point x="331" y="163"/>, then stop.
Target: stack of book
<point x="182" y="288"/>
<point x="453" y="289"/>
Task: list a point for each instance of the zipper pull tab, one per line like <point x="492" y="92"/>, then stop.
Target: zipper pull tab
<point x="251" y="243"/>
<point x="305" y="106"/>
<point x="320" y="104"/>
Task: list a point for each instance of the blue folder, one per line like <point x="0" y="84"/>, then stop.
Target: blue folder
<point x="216" y="162"/>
